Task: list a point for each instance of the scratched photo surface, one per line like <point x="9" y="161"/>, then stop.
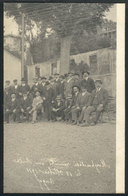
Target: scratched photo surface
<point x="56" y="152"/>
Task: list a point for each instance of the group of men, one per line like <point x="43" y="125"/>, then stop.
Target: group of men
<point x="68" y="98"/>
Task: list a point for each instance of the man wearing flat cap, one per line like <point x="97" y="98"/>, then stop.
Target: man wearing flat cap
<point x="88" y="82"/>
<point x="99" y="102"/>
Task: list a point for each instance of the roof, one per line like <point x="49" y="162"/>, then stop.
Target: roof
<point x="14" y="53"/>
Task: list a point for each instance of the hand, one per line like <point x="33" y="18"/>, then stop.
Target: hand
<point x="22" y="110"/>
<point x="14" y="110"/>
<point x="20" y="93"/>
<point x="28" y="108"/>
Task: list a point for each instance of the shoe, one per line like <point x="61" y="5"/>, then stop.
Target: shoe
<point x="93" y="124"/>
<point x="74" y="123"/>
<point x="85" y="125"/>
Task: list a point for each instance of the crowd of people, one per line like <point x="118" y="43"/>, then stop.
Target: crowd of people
<point x="68" y="98"/>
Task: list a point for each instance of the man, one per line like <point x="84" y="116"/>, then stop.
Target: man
<point x="57" y="108"/>
<point x="42" y="86"/>
<point x="16" y="89"/>
<point x="99" y="102"/>
<point x="7" y="91"/>
<point x="12" y="108"/>
<point x="36" y="107"/>
<point x="88" y="82"/>
<point x="49" y="99"/>
<point x="69" y="84"/>
<point x="76" y="79"/>
<point x="82" y="102"/>
<point x="35" y="87"/>
<point x="25" y="106"/>
<point x="24" y="88"/>
<point x="75" y="94"/>
<point x="67" y="110"/>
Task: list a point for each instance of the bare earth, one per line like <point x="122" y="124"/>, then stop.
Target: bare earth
<point x="59" y="158"/>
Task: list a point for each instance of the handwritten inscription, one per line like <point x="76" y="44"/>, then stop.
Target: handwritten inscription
<point x="46" y="171"/>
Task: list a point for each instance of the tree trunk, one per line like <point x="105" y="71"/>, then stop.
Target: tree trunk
<point x="65" y="54"/>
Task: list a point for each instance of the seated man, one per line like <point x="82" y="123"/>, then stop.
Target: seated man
<point x="36" y="106"/>
<point x="99" y="102"/>
<point x="83" y="101"/>
<point x="25" y="106"/>
<point x="57" y="112"/>
<point x="67" y="110"/>
<point x="12" y="108"/>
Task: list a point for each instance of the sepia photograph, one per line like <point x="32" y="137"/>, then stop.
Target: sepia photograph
<point x="63" y="71"/>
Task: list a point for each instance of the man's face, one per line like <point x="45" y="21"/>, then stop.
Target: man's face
<point x="23" y="82"/>
<point x="75" y="89"/>
<point x="15" y="82"/>
<point x="85" y="75"/>
<point x="43" y="81"/>
<point x="98" y="85"/>
<point x="83" y="90"/>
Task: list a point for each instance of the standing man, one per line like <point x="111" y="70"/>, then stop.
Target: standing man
<point x="16" y="89"/>
<point x="49" y="99"/>
<point x="88" y="82"/>
<point x="24" y="88"/>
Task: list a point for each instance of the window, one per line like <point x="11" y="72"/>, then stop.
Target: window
<point x="53" y="68"/>
<point x="93" y="64"/>
<point x="37" y="71"/>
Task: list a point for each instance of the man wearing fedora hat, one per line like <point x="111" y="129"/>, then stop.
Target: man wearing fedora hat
<point x="16" y="88"/>
<point x="88" y="82"/>
<point x="99" y="102"/>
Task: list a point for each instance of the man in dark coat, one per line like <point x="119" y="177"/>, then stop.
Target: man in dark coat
<point x="16" y="89"/>
<point x="24" y="88"/>
<point x="35" y="87"/>
<point x="25" y="106"/>
<point x="7" y="91"/>
<point x="82" y="102"/>
<point x="13" y="109"/>
<point x="88" y="82"/>
<point x="57" y="109"/>
<point x="68" y="106"/>
<point x="49" y="99"/>
<point x="99" y="102"/>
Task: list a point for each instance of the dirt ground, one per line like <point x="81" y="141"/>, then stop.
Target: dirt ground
<point x="49" y="157"/>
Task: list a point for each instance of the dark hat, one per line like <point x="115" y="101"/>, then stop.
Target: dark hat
<point x="56" y="74"/>
<point x="7" y="81"/>
<point x="98" y="81"/>
<point x="76" y="87"/>
<point x="76" y="74"/>
<point x="43" y="78"/>
<point x="47" y="83"/>
<point x="86" y="72"/>
<point x="15" y="80"/>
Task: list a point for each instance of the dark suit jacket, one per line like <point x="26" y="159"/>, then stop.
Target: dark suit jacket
<point x="89" y="84"/>
<point x="83" y="100"/>
<point x="100" y="97"/>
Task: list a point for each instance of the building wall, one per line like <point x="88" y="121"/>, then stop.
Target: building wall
<point x="105" y="67"/>
<point x="12" y="67"/>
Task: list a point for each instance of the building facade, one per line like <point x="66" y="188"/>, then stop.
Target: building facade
<point x="12" y="67"/>
<point x="102" y="64"/>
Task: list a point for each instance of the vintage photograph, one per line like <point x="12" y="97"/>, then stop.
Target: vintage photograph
<point x="60" y="92"/>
